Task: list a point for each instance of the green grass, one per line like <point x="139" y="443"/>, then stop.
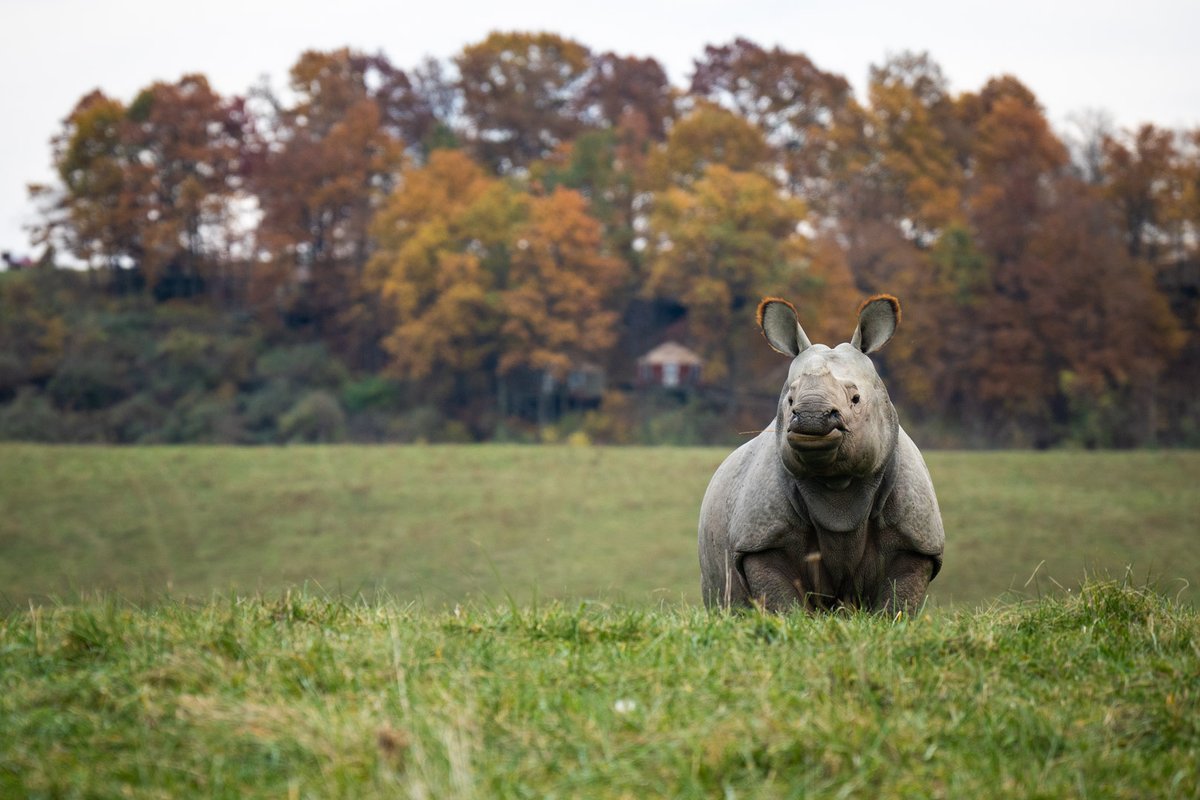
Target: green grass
<point x="1092" y="694"/>
<point x="442" y="525"/>
<point x="521" y="622"/>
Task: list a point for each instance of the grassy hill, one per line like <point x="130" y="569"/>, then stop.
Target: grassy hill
<point x="441" y="525"/>
<point x="521" y="622"/>
<point x="1096" y="694"/>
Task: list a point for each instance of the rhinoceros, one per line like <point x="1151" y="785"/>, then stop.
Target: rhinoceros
<point x="831" y="505"/>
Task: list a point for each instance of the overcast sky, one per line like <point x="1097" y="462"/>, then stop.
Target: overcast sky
<point x="1139" y="65"/>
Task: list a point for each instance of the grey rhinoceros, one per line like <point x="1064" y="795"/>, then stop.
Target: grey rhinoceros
<point x="832" y="505"/>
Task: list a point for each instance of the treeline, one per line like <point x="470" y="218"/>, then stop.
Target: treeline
<point x="394" y="254"/>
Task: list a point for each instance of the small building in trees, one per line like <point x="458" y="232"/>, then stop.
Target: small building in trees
<point x="669" y="366"/>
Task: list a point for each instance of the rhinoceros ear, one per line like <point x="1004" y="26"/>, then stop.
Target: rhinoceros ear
<point x="781" y="325"/>
<point x="878" y="317"/>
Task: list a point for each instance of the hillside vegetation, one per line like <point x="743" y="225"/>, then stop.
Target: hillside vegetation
<point x="443" y="525"/>
<point x="484" y="247"/>
<point x="1092" y="695"/>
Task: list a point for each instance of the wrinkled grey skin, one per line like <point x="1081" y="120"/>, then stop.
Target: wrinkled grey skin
<point x="832" y="505"/>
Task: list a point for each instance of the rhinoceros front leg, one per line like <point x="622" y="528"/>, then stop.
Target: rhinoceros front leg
<point x="773" y="580"/>
<point x="907" y="579"/>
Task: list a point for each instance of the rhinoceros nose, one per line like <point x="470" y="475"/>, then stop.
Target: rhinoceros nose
<point x="815" y="419"/>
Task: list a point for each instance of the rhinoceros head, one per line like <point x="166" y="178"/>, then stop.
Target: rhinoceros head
<point x="835" y="420"/>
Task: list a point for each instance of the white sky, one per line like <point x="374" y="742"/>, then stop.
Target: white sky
<point x="1076" y="55"/>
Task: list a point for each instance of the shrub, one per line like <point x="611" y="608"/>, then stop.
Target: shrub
<point x="203" y="418"/>
<point x="370" y="426"/>
<point x="137" y="419"/>
<point x="304" y="365"/>
<point x="30" y="418"/>
<point x="263" y="408"/>
<point x="12" y="372"/>
<point x="89" y="381"/>
<point x="454" y="432"/>
<point x="317" y="417"/>
<point x="421" y="424"/>
<point x="613" y="422"/>
<point x="373" y="392"/>
<point x="186" y="360"/>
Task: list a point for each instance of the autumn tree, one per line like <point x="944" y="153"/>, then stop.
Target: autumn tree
<point x="1190" y="176"/>
<point x="187" y="145"/>
<point x="717" y="247"/>
<point x="1049" y="292"/>
<point x="627" y="104"/>
<point x="914" y="179"/>
<point x="482" y="280"/>
<point x="557" y="301"/>
<point x="986" y="363"/>
<point x="519" y="95"/>
<point x="595" y="165"/>
<point x="326" y="162"/>
<point x="436" y="100"/>
<point x="1072" y="333"/>
<point x="1104" y="334"/>
<point x="1151" y="178"/>
<point x="1142" y="178"/>
<point x="626" y="91"/>
<point x="442" y="243"/>
<point x="708" y="136"/>
<point x="150" y="186"/>
<point x="94" y="217"/>
<point x="945" y="291"/>
<point x="1014" y="159"/>
<point x="898" y="191"/>
<point x="808" y="115"/>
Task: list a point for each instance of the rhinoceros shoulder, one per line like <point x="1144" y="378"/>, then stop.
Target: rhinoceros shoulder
<point x="912" y="508"/>
<point x="747" y="498"/>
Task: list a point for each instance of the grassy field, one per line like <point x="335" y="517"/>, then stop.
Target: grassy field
<point x="444" y="525"/>
<point x="1096" y="694"/>
<point x="521" y="622"/>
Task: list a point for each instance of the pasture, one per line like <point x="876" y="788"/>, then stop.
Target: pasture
<point x="444" y="525"/>
<point x="521" y="622"/>
<point x="1096" y="694"/>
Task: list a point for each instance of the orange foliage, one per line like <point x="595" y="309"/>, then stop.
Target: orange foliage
<point x="434" y="236"/>
<point x="557" y="307"/>
<point x="589" y="189"/>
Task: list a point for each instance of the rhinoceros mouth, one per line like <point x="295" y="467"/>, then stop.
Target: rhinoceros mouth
<point x="807" y="442"/>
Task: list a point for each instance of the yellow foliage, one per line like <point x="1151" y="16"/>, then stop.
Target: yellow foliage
<point x="708" y="136"/>
<point x="718" y="246"/>
<point x="560" y="281"/>
<point x="429" y="267"/>
<point x="474" y="269"/>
